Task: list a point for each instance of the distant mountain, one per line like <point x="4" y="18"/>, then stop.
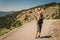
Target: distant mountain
<point x="2" y="13"/>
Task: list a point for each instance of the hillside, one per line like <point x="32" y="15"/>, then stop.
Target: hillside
<point x="16" y="19"/>
<point x="50" y="11"/>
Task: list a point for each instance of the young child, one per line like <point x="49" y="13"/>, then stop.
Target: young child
<point x="39" y="22"/>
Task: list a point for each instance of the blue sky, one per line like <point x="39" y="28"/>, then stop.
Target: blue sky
<point x="13" y="5"/>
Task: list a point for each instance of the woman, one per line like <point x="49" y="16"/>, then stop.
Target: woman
<point x="39" y="22"/>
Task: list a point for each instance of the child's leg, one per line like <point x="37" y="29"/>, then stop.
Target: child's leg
<point x="37" y="34"/>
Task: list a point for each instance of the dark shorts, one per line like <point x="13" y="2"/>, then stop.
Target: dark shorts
<point x="39" y="25"/>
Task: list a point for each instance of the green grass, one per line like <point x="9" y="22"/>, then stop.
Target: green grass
<point x="5" y="30"/>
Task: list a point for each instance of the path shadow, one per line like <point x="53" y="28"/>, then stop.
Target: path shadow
<point x="46" y="37"/>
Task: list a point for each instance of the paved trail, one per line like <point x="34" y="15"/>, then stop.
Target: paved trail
<point x="28" y="31"/>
